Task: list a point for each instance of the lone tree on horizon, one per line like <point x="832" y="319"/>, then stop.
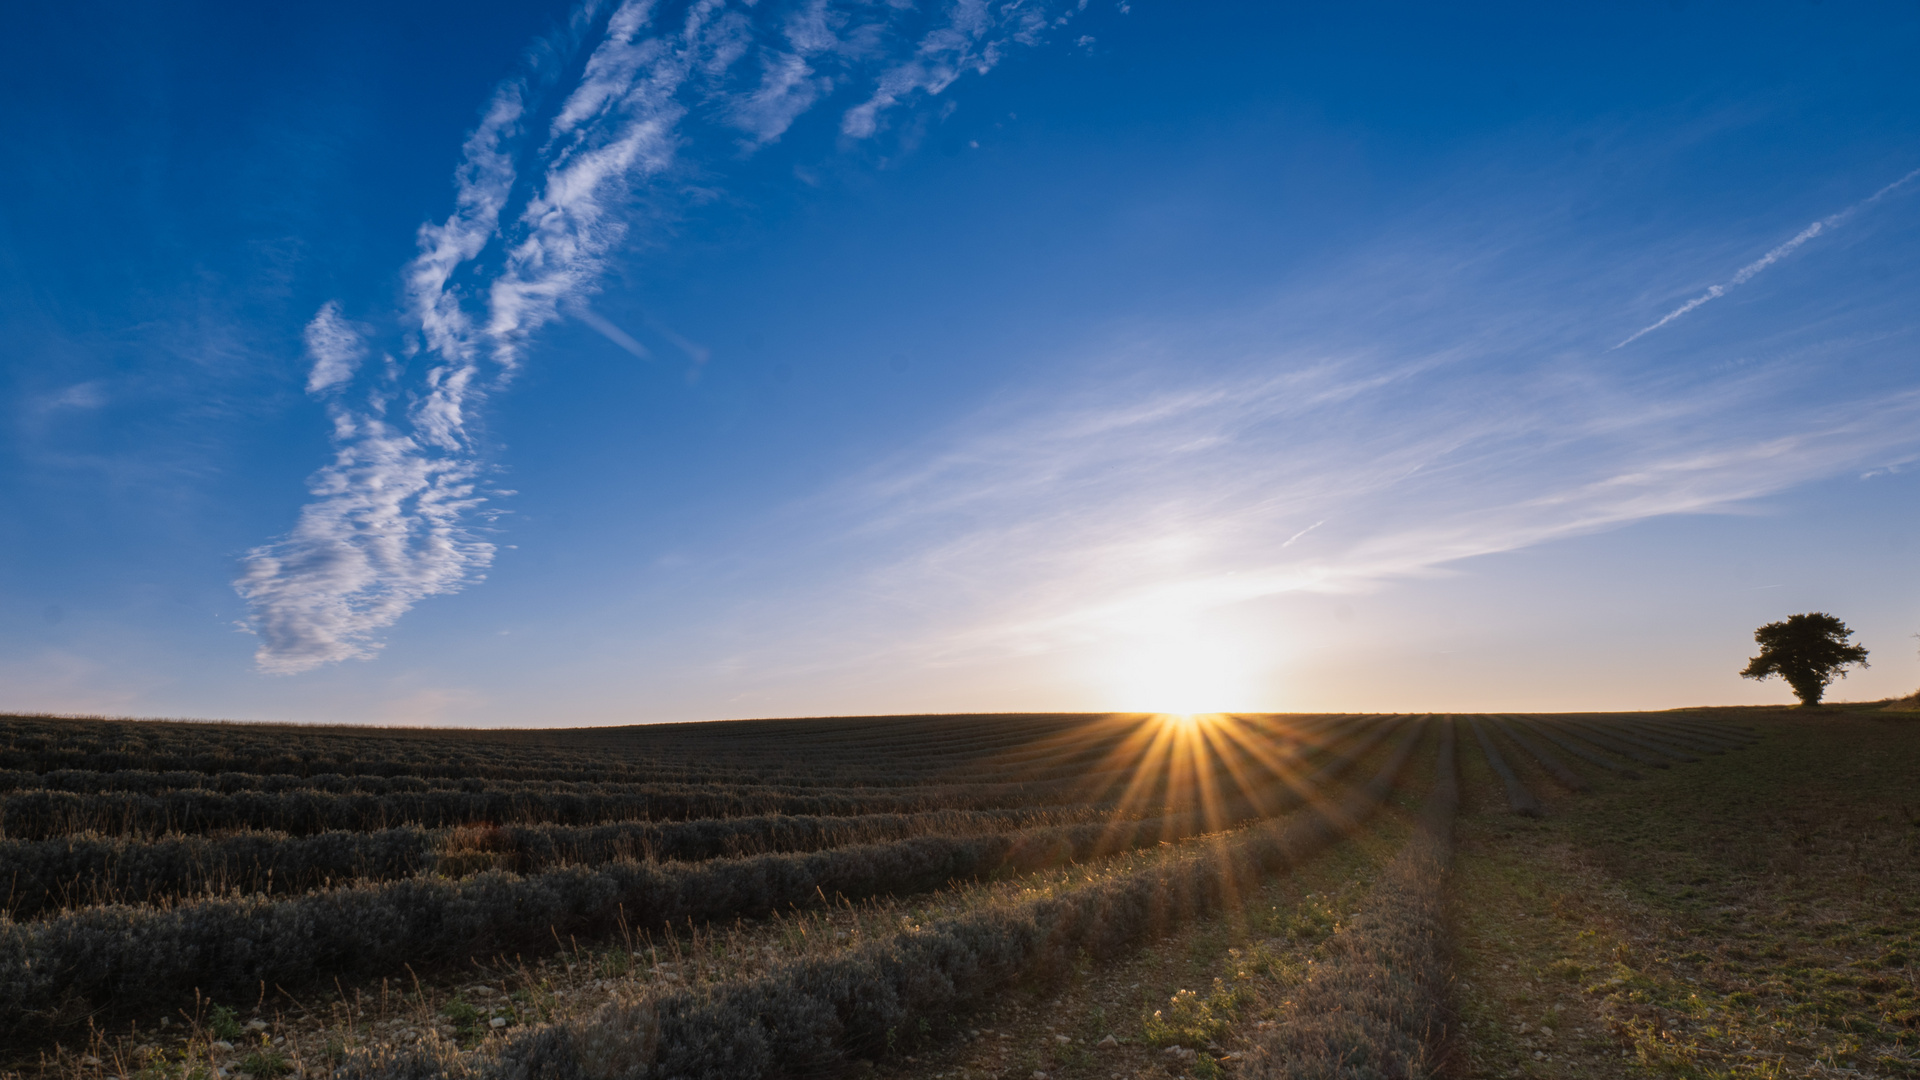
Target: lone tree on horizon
<point x="1809" y="651"/>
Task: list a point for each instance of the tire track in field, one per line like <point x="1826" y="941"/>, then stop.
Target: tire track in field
<point x="1377" y="1007"/>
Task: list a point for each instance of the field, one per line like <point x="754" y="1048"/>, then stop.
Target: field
<point x="1709" y="892"/>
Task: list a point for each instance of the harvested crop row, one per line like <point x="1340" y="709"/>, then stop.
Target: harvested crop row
<point x="1555" y="768"/>
<point x="911" y="747"/>
<point x="931" y="769"/>
<point x="1622" y="733"/>
<point x="1069" y="770"/>
<point x="1535" y="727"/>
<point x="813" y="1016"/>
<point x="43" y="814"/>
<point x="1519" y="799"/>
<point x="911" y="751"/>
<point x="40" y="815"/>
<point x="1377" y="1006"/>
<point x="1605" y="742"/>
<point x="1671" y="735"/>
<point x="1711" y="730"/>
<point x="48" y="875"/>
<point x="131" y="957"/>
<point x="81" y="781"/>
<point x="1631" y="727"/>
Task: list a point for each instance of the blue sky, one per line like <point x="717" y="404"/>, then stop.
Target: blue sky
<point x="536" y="364"/>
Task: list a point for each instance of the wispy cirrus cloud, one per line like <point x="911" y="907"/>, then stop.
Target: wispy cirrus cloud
<point x="393" y="517"/>
<point x="387" y="528"/>
<point x="85" y="396"/>
<point x="973" y="38"/>
<point x="335" y="348"/>
<point x="1150" y="508"/>
<point x="1399" y="415"/>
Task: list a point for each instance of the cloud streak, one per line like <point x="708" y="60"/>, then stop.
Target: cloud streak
<point x="385" y="531"/>
<point x="974" y="38"/>
<point x="1749" y="271"/>
<point x="606" y="329"/>
<point x="392" y="519"/>
<point x="1393" y="419"/>
<point x="1129" y="516"/>
<point x="335" y="348"/>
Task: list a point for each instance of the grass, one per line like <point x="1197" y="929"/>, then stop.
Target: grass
<point x="1755" y="915"/>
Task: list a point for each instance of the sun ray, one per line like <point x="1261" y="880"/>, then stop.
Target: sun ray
<point x="1224" y="741"/>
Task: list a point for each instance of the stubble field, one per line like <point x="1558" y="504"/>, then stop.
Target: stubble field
<point x="1716" y="892"/>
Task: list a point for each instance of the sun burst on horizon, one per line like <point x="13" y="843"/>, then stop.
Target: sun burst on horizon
<point x="1224" y="767"/>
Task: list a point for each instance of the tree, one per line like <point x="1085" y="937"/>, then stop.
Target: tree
<point x="1809" y="651"/>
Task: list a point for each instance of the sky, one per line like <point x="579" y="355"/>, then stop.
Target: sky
<point x="541" y="363"/>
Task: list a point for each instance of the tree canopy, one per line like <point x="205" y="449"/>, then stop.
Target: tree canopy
<point x="1809" y="651"/>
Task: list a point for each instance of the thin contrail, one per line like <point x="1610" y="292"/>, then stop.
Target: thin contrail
<point x="1746" y="273"/>
<point x="612" y="332"/>
<point x="1302" y="533"/>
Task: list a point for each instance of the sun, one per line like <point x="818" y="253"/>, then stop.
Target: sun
<point x="1182" y="675"/>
